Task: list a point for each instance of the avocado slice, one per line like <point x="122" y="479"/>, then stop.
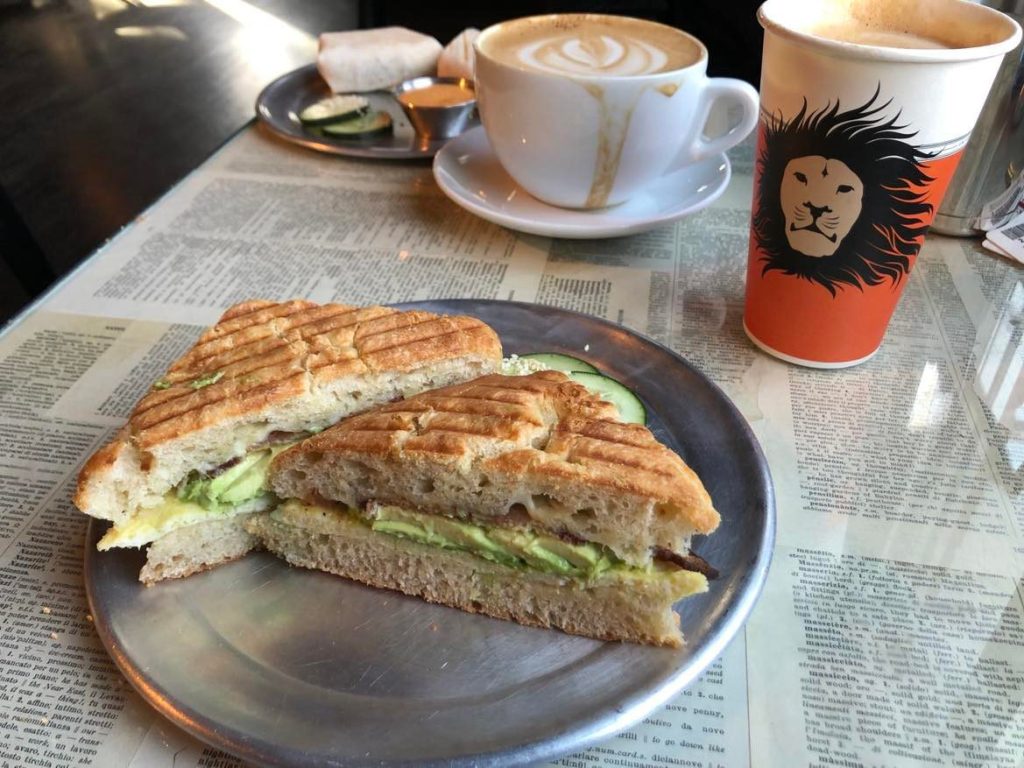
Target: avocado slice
<point x="247" y="485"/>
<point x="585" y="556"/>
<point x="440" y="531"/>
<point x="525" y="545"/>
<point x="192" y="488"/>
<point x="466" y="536"/>
<point x="446" y="532"/>
<point x="216" y="486"/>
<point x="514" y="548"/>
<point x="474" y="539"/>
<point x="398" y="528"/>
<point x="244" y="481"/>
<point x="549" y="561"/>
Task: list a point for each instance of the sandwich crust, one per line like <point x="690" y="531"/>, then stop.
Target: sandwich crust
<point x="265" y="367"/>
<point x="496" y="447"/>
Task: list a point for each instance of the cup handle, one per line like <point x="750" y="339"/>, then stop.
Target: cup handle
<point x="720" y="90"/>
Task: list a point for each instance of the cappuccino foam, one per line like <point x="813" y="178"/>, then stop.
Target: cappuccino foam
<point x="907" y="24"/>
<point x="581" y="44"/>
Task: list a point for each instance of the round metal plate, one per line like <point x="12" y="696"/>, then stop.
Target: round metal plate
<point x="283" y="666"/>
<point x="279" y="104"/>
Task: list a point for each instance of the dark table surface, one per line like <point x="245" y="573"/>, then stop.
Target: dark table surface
<point x="116" y="101"/>
<point x="110" y="102"/>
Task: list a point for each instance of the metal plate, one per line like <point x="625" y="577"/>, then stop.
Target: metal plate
<point x="284" y="666"/>
<point x="279" y="103"/>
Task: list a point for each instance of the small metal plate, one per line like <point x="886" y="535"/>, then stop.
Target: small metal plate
<point x="279" y="104"/>
<point x="283" y="666"/>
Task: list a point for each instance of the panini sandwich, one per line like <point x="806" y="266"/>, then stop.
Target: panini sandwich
<point x="191" y="463"/>
<point x="521" y="497"/>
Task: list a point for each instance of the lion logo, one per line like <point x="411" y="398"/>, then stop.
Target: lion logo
<point x="840" y="198"/>
<point x="821" y="201"/>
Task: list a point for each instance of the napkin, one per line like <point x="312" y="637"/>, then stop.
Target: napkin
<point x="458" y="57"/>
<point x="368" y="59"/>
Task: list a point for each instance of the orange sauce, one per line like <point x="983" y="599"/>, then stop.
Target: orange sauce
<point x="437" y="95"/>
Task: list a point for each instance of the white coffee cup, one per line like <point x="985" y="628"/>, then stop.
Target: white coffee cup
<point x="588" y="132"/>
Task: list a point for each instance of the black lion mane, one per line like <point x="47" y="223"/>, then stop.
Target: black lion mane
<point x="888" y="231"/>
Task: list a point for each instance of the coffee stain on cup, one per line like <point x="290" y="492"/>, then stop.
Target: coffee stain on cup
<point x="613" y="125"/>
<point x="668" y="89"/>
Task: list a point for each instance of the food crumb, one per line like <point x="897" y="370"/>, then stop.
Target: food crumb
<point x="88" y="617"/>
<point x="433" y="626"/>
<point x="53" y="636"/>
<point x="46" y="609"/>
<point x="44" y="720"/>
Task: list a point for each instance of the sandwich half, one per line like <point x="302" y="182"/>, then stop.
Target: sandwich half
<point x="191" y="463"/>
<point x="521" y="497"/>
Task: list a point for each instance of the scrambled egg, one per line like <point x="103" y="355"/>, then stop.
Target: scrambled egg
<point x="150" y="524"/>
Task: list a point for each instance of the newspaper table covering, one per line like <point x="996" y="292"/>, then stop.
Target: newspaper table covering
<point x="890" y="631"/>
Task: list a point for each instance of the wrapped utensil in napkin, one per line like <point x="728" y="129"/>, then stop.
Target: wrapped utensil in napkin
<point x="368" y="59"/>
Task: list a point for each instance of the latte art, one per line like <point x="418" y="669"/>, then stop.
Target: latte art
<point x="593" y="55"/>
<point x="590" y="45"/>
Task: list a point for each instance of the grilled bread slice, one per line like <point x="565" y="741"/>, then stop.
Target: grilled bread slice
<point x="550" y="503"/>
<point x="538" y="446"/>
<point x="266" y="373"/>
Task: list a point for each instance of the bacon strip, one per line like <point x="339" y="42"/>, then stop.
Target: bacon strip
<point x="689" y="561"/>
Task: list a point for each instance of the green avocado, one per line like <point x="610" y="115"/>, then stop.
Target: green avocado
<point x="247" y="485"/>
<point x="586" y="557"/>
<point x="549" y="561"/>
<point x="441" y="532"/>
<point x="242" y="482"/>
<point x="526" y="546"/>
<point x="396" y="521"/>
<point x="191" y="488"/>
<point x="514" y="548"/>
<point x="475" y="539"/>
<point x="398" y="528"/>
<point x="217" y="486"/>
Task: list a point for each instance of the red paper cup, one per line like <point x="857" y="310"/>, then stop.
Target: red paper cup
<point x="865" y="110"/>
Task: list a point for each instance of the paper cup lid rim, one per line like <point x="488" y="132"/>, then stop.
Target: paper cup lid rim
<point x="906" y="55"/>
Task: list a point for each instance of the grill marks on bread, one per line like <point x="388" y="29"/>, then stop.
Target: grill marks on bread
<point x="542" y="421"/>
<point x="480" y="449"/>
<point x="275" y="352"/>
<point x="268" y="366"/>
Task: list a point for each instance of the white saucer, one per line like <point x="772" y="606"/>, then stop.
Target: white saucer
<point x="468" y="171"/>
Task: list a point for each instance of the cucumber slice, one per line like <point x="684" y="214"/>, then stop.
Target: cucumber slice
<point x="334" y="109"/>
<point x="564" y="363"/>
<point x="631" y="410"/>
<point x="360" y="127"/>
